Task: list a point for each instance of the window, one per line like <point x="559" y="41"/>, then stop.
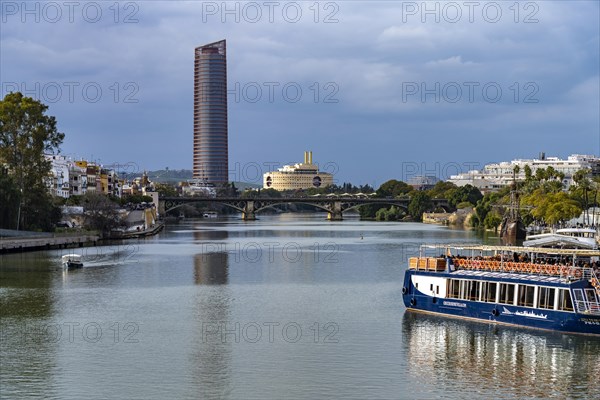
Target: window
<point x="507" y="293"/>
<point x="488" y="291"/>
<point x="472" y="290"/>
<point x="546" y="298"/>
<point x="525" y="297"/>
<point x="453" y="288"/>
<point x="564" y="300"/>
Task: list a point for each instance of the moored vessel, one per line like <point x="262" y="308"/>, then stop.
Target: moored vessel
<point x="72" y="261"/>
<point x="553" y="289"/>
<point x="580" y="238"/>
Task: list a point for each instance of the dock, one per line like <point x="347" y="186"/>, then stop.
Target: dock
<point x="18" y="244"/>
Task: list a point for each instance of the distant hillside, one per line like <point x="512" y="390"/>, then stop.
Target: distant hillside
<point x="164" y="175"/>
<point x="173" y="176"/>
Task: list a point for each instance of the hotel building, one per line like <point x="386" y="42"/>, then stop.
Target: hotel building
<point x="210" y="164"/>
<point x="495" y="176"/>
<point x="305" y="175"/>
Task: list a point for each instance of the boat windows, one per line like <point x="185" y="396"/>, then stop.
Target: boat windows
<point x="488" y="291"/>
<point x="525" y="297"/>
<point x="564" y="300"/>
<point x="507" y="293"/>
<point x="472" y="290"/>
<point x="453" y="288"/>
<point x="590" y="295"/>
<point x="545" y="298"/>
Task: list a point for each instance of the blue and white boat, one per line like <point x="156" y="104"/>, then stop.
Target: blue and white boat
<point x="553" y="289"/>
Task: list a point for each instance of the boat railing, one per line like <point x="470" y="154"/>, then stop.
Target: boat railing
<point x="566" y="272"/>
<point x="593" y="278"/>
<point x="587" y="307"/>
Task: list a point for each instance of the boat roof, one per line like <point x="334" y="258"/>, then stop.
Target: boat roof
<point x="562" y="241"/>
<point x="71" y="256"/>
<point x="576" y="230"/>
<point x="516" y="249"/>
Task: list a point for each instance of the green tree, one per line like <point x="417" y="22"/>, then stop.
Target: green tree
<point x="528" y="174"/>
<point x="581" y="191"/>
<point x="552" y="207"/>
<point x="392" y="214"/>
<point x="26" y="133"/>
<point x="464" y="193"/>
<point x="487" y="204"/>
<point x="393" y="188"/>
<point x="441" y="190"/>
<point x="420" y="203"/>
<point x="492" y="220"/>
<point x="166" y="190"/>
<point x="10" y="197"/>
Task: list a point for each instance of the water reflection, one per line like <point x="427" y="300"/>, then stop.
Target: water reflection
<point x="210" y="234"/>
<point x="211" y="268"/>
<point x="509" y="361"/>
<point x="211" y="352"/>
<point x="27" y="337"/>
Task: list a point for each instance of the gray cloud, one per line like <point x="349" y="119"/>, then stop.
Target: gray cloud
<point x="370" y="57"/>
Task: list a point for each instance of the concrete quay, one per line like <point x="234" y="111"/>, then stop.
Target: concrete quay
<point x="18" y="244"/>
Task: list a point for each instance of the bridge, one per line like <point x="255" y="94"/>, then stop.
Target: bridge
<point x="334" y="206"/>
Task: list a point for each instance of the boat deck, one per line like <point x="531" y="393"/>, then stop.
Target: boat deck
<point x="507" y="276"/>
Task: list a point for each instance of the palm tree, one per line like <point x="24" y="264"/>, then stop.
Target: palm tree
<point x="583" y="187"/>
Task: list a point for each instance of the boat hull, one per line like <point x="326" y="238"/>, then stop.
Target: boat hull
<point x="562" y="321"/>
<point x="72" y="265"/>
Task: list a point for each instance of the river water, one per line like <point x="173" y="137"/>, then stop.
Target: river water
<point x="289" y="306"/>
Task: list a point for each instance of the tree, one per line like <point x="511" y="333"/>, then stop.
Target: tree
<point x="393" y="188"/>
<point x="492" y="220"/>
<point x="419" y="203"/>
<point x="464" y="193"/>
<point x="486" y="205"/>
<point x="166" y="190"/>
<point x="101" y="213"/>
<point x="528" y="174"/>
<point x="552" y="208"/>
<point x="393" y="214"/>
<point x="26" y="133"/>
<point x="581" y="191"/>
<point x="10" y="197"/>
<point x="441" y="190"/>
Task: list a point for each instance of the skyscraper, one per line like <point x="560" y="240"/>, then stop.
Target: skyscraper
<point x="211" y="160"/>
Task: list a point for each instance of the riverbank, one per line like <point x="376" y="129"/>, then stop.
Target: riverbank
<point x="52" y="241"/>
<point x="153" y="230"/>
<point x="21" y="244"/>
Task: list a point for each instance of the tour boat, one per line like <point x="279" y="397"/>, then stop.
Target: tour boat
<point x="553" y="289"/>
<point x="72" y="261"/>
<point x="582" y="238"/>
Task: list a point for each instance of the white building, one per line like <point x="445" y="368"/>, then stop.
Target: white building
<point x="73" y="178"/>
<point x="304" y="175"/>
<point x="58" y="181"/>
<point x="495" y="176"/>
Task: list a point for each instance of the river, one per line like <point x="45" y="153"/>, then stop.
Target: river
<point x="289" y="306"/>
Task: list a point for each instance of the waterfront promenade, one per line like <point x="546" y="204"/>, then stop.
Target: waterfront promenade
<point x="30" y="243"/>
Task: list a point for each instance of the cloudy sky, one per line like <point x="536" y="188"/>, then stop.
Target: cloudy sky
<point x="377" y="90"/>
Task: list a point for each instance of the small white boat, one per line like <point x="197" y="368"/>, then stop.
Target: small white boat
<point x="573" y="238"/>
<point x="72" y="261"/>
<point x="210" y="214"/>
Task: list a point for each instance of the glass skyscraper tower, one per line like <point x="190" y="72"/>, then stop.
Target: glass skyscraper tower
<point x="211" y="160"/>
